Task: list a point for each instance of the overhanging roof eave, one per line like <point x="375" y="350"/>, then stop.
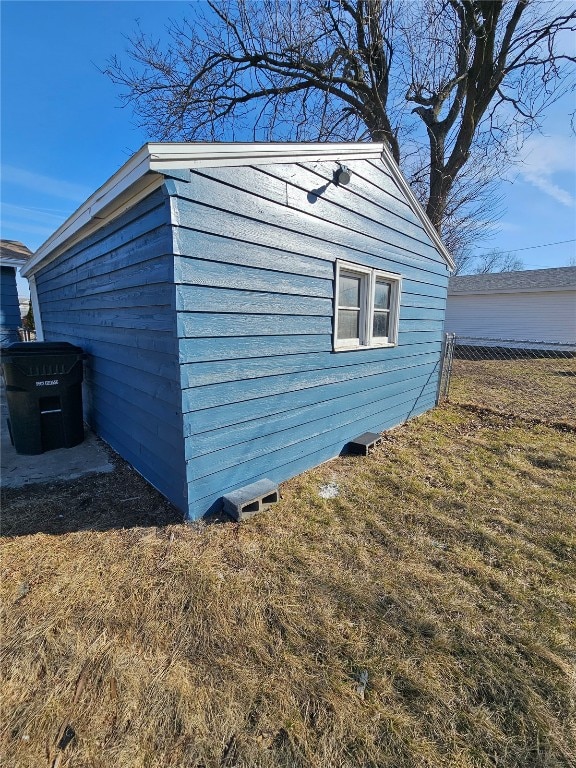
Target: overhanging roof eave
<point x="159" y="158"/>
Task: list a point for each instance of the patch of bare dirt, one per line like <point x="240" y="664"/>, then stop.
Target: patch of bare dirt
<point x="118" y="499"/>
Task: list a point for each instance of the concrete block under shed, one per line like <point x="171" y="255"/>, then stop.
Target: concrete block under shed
<point x="251" y="499"/>
<point x="361" y="444"/>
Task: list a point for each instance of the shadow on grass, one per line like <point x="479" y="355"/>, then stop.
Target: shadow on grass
<point x="114" y="500"/>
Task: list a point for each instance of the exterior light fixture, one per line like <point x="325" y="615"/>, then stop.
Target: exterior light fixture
<point x="343" y="175"/>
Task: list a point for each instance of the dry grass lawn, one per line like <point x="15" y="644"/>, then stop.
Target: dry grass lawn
<point x="424" y="617"/>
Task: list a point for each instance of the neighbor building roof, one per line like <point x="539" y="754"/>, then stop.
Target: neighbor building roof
<point x="553" y="279"/>
<point x="13" y="253"/>
<point x="145" y="171"/>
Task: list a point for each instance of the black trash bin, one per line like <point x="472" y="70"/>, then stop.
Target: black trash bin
<point x="44" y="394"/>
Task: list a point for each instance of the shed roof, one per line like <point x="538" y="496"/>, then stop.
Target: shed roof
<point x="553" y="279"/>
<point x="145" y="171"/>
<point x="13" y="253"/>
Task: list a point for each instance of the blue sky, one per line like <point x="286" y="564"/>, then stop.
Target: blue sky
<point x="64" y="133"/>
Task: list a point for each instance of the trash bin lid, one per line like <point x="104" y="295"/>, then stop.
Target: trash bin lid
<point x="27" y="348"/>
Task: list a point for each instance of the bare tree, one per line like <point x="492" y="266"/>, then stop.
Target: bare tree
<point x="474" y="205"/>
<point x="495" y="261"/>
<point x="464" y="79"/>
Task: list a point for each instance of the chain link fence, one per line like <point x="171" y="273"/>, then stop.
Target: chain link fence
<point x="530" y="379"/>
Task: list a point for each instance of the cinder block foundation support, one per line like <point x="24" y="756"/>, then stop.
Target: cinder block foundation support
<point x="361" y="445"/>
<point x="251" y="499"/>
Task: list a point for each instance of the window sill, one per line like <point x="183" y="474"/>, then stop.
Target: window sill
<point x="360" y="348"/>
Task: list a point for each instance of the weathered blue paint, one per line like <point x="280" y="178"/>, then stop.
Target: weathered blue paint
<point x="10" y="319"/>
<point x="298" y="458"/>
<point x="209" y="439"/>
<point x="113" y="294"/>
<point x="207" y="311"/>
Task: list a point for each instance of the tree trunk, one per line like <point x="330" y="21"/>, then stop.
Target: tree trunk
<point x="382" y="132"/>
<point x="440" y="183"/>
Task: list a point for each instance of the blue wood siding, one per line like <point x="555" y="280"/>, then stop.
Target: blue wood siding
<point x="263" y="393"/>
<point x="113" y="294"/>
<point x="10" y="319"/>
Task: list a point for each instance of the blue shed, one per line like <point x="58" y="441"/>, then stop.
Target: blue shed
<point x="13" y="255"/>
<point x="248" y="309"/>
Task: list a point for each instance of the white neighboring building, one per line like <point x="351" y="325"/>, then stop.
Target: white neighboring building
<point x="532" y="305"/>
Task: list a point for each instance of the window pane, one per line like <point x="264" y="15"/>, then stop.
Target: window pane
<point x="349" y="295"/>
<point x="348" y="324"/>
<point x="381" y="323"/>
<point x="382" y="295"/>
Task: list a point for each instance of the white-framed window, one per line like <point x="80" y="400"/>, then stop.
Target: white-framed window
<point x="366" y="307"/>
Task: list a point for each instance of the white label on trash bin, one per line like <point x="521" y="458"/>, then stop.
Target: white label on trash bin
<point x="46" y="383"/>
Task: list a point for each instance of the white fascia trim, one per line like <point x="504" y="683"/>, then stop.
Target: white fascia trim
<point x="13" y="261"/>
<point x="80" y="224"/>
<point x="212" y="155"/>
<point x="36" y="309"/>
<point x="416" y="207"/>
<point x="161" y="157"/>
<point x="128" y="174"/>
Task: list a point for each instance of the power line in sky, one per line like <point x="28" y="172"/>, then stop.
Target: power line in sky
<point x="542" y="245"/>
